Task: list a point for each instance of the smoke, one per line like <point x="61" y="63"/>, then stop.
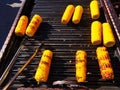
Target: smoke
<point x="15" y="4"/>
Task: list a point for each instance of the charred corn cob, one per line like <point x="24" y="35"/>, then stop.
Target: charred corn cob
<point x="67" y="14"/>
<point x="108" y="37"/>
<point x="21" y="26"/>
<point x="94" y="9"/>
<point x="81" y="62"/>
<point x="77" y="14"/>
<point x="104" y="63"/>
<point x="43" y="69"/>
<point x="96" y="33"/>
<point x="33" y="25"/>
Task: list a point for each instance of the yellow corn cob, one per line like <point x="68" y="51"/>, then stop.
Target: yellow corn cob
<point x="96" y="33"/>
<point x="21" y="26"/>
<point x="94" y="8"/>
<point x="108" y="37"/>
<point x="81" y="65"/>
<point x="67" y="14"/>
<point x="33" y="25"/>
<point x="77" y="14"/>
<point x="104" y="63"/>
<point x="43" y="69"/>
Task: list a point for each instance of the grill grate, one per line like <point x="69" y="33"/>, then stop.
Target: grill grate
<point x="64" y="40"/>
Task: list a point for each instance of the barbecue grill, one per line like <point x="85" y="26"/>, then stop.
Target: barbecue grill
<point x="64" y="41"/>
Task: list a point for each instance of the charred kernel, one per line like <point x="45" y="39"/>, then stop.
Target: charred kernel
<point x="103" y="56"/>
<point x="47" y="56"/>
<point x="80" y="61"/>
<point x="104" y="66"/>
<point x="44" y="62"/>
<point x="107" y="74"/>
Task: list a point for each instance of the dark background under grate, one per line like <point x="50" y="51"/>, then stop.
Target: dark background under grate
<point x="64" y="41"/>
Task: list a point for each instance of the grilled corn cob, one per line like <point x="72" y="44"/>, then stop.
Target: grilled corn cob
<point x="104" y="63"/>
<point x="77" y="14"/>
<point x="108" y="37"/>
<point x="96" y="33"/>
<point x="67" y="14"/>
<point x="81" y="65"/>
<point x="21" y="26"/>
<point x="94" y="9"/>
<point x="43" y="69"/>
<point x="33" y="25"/>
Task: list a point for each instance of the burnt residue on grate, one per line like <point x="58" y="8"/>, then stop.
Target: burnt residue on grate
<point x="64" y="41"/>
